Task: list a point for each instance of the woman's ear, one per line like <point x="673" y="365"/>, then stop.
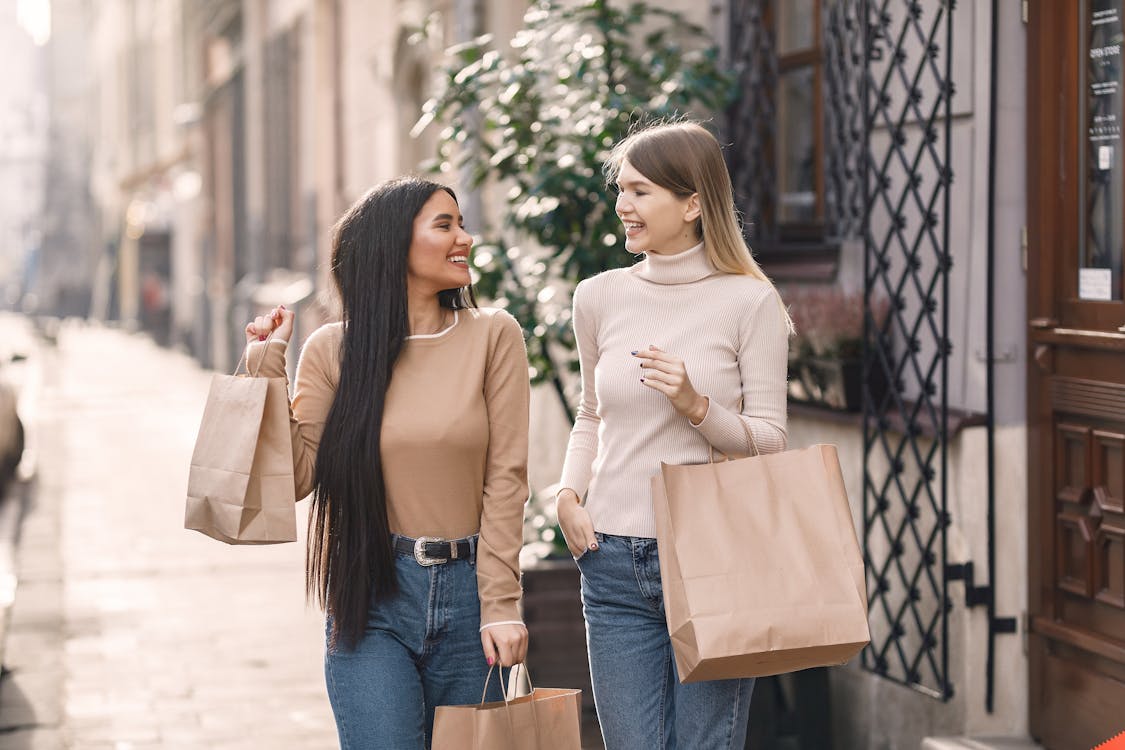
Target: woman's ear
<point x="692" y="210"/>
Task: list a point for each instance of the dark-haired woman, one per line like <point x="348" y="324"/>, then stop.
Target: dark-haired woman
<point x="410" y="422"/>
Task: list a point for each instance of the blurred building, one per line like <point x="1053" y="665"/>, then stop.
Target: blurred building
<point x="957" y="166"/>
<point x="23" y="153"/>
<point x="227" y="136"/>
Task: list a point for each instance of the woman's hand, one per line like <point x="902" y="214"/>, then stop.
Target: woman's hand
<point x="279" y="321"/>
<point x="505" y="643"/>
<point x="574" y="520"/>
<point x="666" y="373"/>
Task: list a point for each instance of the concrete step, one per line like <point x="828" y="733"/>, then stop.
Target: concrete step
<point x="980" y="743"/>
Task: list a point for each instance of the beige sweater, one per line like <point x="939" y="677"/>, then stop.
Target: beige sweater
<point x="454" y="438"/>
<point x="731" y="333"/>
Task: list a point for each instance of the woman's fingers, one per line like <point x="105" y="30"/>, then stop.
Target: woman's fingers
<point x="669" y="378"/>
<point x="588" y="537"/>
<point x="651" y="353"/>
<point x="278" y="319"/>
<point x="574" y="537"/>
<point x="488" y="646"/>
<point x="505" y="644"/>
<point x="658" y="365"/>
<point x="578" y="531"/>
<point x="514" y="647"/>
<point x="659" y="385"/>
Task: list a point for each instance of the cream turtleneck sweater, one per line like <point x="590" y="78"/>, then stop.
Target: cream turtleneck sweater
<point x="731" y="333"/>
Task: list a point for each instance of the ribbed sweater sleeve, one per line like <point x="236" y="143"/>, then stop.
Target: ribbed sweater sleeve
<point x="507" y="396"/>
<point x="763" y="367"/>
<point x="582" y="449"/>
<point x="317" y="376"/>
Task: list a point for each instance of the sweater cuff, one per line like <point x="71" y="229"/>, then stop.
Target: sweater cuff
<point x="266" y="360"/>
<point x="503" y="622"/>
<point x="724" y="430"/>
<point x="497" y="612"/>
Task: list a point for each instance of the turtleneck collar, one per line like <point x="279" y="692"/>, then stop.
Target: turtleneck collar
<point x="682" y="268"/>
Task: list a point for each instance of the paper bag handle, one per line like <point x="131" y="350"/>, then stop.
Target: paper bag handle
<point x="243" y="358"/>
<point x="504" y="692"/>
<point x="504" y="688"/>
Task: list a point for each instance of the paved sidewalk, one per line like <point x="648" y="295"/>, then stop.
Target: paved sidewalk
<point x="128" y="632"/>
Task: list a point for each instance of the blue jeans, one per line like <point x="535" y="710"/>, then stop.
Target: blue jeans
<point x="421" y="650"/>
<point x="641" y="703"/>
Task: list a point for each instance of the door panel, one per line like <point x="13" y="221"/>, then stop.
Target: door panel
<point x="1076" y="374"/>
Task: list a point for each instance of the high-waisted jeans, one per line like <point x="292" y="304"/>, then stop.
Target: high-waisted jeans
<point x="421" y="650"/>
<point x="641" y="703"/>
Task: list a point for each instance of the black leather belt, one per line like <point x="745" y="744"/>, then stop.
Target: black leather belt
<point x="429" y="550"/>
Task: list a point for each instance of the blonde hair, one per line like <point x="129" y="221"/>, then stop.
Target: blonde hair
<point x="685" y="158"/>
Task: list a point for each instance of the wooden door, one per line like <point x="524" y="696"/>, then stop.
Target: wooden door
<point x="1076" y="372"/>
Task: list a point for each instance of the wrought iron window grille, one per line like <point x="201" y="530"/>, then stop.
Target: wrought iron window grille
<point x="888" y="115"/>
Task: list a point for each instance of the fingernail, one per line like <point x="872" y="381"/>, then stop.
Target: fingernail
<point x="261" y="338"/>
<point x="281" y="307"/>
<point x="490" y="661"/>
<point x="642" y="380"/>
<point x="594" y="546"/>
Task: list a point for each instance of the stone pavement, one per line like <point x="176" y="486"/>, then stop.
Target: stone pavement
<point x="128" y="632"/>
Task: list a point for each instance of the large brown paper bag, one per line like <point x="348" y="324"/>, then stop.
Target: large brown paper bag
<point x="760" y="564"/>
<point x="240" y="486"/>
<point x="546" y="719"/>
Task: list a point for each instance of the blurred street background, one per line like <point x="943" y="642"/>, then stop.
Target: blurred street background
<point x="127" y="631"/>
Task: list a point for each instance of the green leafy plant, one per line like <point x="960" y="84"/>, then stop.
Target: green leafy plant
<point x="542" y="536"/>
<point x="537" y="121"/>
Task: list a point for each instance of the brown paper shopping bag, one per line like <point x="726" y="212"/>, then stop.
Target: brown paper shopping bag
<point x="546" y="719"/>
<point x="240" y="486"/>
<point x="760" y="563"/>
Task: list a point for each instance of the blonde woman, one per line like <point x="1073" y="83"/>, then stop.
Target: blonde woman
<point x="682" y="353"/>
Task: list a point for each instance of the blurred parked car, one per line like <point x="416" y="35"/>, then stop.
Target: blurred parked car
<point x="11" y="431"/>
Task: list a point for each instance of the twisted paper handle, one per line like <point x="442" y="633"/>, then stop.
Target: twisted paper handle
<point x="244" y="359"/>
<point x="504" y="691"/>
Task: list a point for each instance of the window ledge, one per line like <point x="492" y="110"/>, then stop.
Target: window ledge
<point x="956" y="420"/>
<point x="799" y="261"/>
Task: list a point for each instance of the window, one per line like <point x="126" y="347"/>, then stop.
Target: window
<point x="798" y="146"/>
<point x="779" y="157"/>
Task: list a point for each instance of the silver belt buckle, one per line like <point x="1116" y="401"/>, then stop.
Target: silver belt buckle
<point x="420" y="551"/>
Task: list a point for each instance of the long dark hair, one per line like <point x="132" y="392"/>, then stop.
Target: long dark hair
<point x="349" y="543"/>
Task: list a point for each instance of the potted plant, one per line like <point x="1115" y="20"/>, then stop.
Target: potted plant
<point x="826" y="365"/>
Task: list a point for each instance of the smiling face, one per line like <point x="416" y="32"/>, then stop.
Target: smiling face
<point x="439" y="249"/>
<point x="656" y="220"/>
